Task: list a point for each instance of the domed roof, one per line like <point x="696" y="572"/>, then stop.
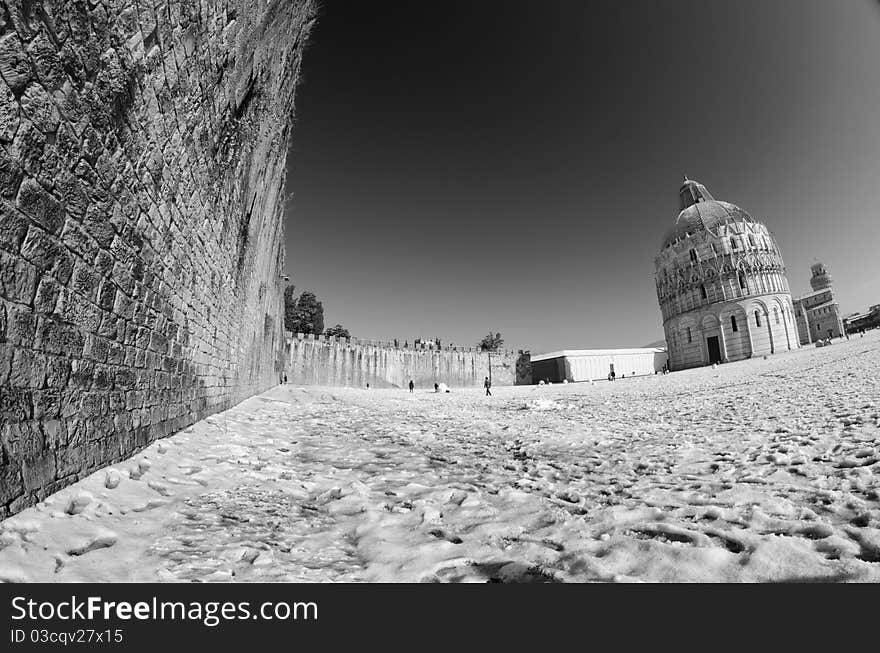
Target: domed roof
<point x="701" y="212"/>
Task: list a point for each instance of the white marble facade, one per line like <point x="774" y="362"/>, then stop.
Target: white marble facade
<point x="721" y="285"/>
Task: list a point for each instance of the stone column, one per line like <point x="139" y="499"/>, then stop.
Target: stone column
<point x="770" y="331"/>
<point x="785" y="323"/>
<point x="722" y="339"/>
<point x="749" y="333"/>
<point x="807" y="325"/>
<point x="704" y="349"/>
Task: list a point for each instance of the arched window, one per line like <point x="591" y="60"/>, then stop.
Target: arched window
<point x="703" y="291"/>
<point x="733" y="324"/>
<point x="757" y="318"/>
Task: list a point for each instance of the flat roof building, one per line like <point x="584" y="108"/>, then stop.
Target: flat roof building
<point x="592" y="364"/>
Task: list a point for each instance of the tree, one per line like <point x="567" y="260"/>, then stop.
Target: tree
<point x="308" y="314"/>
<point x="289" y="308"/>
<point x="491" y="343"/>
<point x="339" y="331"/>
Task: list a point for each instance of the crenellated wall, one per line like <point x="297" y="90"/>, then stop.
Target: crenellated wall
<point x="142" y="160"/>
<point x="339" y="362"/>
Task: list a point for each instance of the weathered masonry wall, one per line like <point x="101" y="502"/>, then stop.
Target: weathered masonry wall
<point x="142" y="155"/>
<point x="339" y="362"/>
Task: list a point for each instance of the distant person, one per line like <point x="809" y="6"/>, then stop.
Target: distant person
<point x="487" y="384"/>
<point x="411" y="385"/>
<point x="613" y="375"/>
<point x="285" y="378"/>
<point x="368" y="386"/>
<point x="436" y="387"/>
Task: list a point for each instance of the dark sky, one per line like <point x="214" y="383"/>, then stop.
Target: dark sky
<point x="465" y="166"/>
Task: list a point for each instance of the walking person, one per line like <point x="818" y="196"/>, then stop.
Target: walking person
<point x="411" y="385"/>
<point x="487" y="384"/>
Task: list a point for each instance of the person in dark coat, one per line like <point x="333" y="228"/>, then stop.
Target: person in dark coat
<point x="487" y="384"/>
<point x="411" y="385"/>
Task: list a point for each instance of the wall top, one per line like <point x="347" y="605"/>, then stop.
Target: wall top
<point x="391" y="344"/>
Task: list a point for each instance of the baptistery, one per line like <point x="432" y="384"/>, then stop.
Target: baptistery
<point x="721" y="285"/>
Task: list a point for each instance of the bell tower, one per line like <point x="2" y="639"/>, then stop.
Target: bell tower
<point x="820" y="280"/>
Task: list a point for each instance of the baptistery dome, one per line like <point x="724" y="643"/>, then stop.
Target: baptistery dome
<point x="721" y="284"/>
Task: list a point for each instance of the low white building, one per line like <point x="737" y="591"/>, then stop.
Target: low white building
<point x="594" y="364"/>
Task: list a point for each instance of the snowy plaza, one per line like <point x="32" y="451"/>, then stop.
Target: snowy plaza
<point x="760" y="470"/>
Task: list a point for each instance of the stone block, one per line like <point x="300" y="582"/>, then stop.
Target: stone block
<point x="37" y="203"/>
<point x="81" y="374"/>
<point x="39" y="108"/>
<point x="57" y="371"/>
<point x="20" y="324"/>
<point x="103" y="379"/>
<point x="46" y="297"/>
<point x="7" y="351"/>
<point x="79" y="311"/>
<point x="55" y="432"/>
<point x="96" y="348"/>
<point x="15" y="68"/>
<point x="18" y="279"/>
<point x="77" y="239"/>
<point x="85" y="282"/>
<point x="13" y="226"/>
<point x="47" y="62"/>
<point x="28" y="369"/>
<point x="23" y="440"/>
<point x="11" y="483"/>
<point x="9" y="113"/>
<point x="38" y="472"/>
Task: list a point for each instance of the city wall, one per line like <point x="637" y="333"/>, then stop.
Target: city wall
<point x="355" y="363"/>
<point x="142" y="160"/>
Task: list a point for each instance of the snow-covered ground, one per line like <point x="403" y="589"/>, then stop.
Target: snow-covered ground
<point x="764" y="470"/>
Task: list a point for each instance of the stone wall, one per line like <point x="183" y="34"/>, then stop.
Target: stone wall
<point x="142" y="161"/>
<point x="339" y="362"/>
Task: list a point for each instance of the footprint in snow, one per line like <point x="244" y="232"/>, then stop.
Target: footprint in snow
<point x="441" y="535"/>
<point x="92" y="545"/>
<point x="77" y="504"/>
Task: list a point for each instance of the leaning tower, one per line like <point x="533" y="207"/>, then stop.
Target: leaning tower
<point x="721" y="284"/>
<point x="820" y="280"/>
